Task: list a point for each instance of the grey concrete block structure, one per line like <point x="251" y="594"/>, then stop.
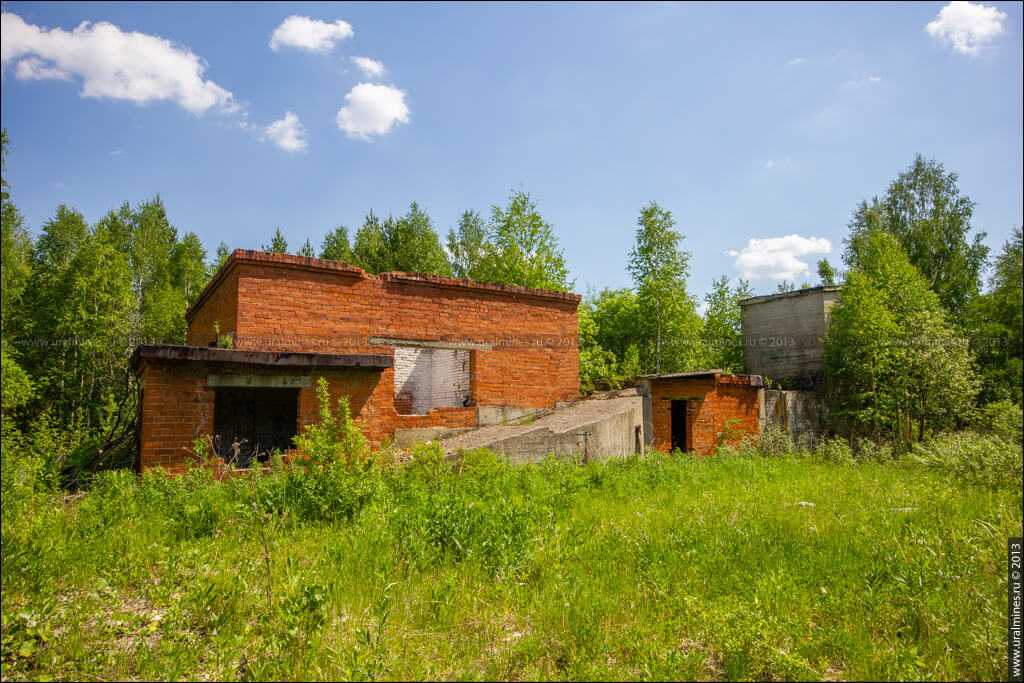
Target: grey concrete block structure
<point x="783" y="333"/>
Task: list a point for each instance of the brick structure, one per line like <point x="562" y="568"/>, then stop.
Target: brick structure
<point x="699" y="411"/>
<point x="454" y="344"/>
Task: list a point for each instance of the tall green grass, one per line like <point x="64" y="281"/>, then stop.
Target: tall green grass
<point x="731" y="567"/>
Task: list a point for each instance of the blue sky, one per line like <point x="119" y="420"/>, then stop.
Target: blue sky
<point x="764" y="122"/>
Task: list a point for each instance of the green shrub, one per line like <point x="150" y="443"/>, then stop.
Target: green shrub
<point x="1001" y="418"/>
<point x="341" y="477"/>
<point x="334" y="441"/>
<point x="835" y="450"/>
<point x="978" y="458"/>
<point x="774" y="442"/>
<point x="873" y="451"/>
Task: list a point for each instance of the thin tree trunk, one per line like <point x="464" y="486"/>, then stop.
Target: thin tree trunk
<point x="657" y="353"/>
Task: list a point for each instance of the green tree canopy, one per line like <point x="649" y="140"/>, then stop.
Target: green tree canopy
<point x="666" y="312"/>
<point x="405" y="244"/>
<point x="278" y="244"/>
<point x="82" y="319"/>
<point x="595" y="362"/>
<point x="827" y="273"/>
<point x="223" y="251"/>
<point x="998" y="325"/>
<point x="335" y="245"/>
<point x="188" y="267"/>
<point x="929" y="217"/>
<point x="523" y="248"/>
<point x="468" y="246"/>
<point x="16" y="246"/>
<point x="722" y="332"/>
<point x="897" y="365"/>
<point x="615" y="311"/>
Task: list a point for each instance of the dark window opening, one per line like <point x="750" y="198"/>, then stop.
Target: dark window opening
<point x="679" y="425"/>
<point x="251" y="423"/>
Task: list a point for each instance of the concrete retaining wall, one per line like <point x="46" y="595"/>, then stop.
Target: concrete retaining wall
<point x="801" y="413"/>
<point x="595" y="429"/>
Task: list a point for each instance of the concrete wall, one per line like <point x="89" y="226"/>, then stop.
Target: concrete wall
<point x="613" y="430"/>
<point x="782" y="335"/>
<point x="801" y="413"/>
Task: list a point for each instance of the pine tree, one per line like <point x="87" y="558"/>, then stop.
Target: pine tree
<point x="278" y="244"/>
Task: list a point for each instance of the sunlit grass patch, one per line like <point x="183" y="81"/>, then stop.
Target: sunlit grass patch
<point x="665" y="567"/>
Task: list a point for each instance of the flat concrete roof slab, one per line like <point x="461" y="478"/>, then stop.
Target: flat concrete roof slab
<point x="266" y="359"/>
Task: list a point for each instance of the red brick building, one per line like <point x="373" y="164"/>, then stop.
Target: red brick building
<point x="699" y="411"/>
<point x="408" y="350"/>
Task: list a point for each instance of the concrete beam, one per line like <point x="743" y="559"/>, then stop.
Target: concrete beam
<point x="260" y="381"/>
<point x="425" y="344"/>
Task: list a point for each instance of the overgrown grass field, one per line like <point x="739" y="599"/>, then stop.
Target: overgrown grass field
<point x="722" y="568"/>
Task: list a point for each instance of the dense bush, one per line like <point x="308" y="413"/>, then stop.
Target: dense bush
<point x="978" y="458"/>
<point x="1001" y="418"/>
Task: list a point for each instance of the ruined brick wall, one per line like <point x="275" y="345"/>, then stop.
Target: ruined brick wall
<point x="726" y="407"/>
<point x="218" y="310"/>
<point x="519" y="345"/>
<point x="298" y="304"/>
<point x="177" y="407"/>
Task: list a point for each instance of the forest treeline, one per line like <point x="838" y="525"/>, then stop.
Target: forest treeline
<point x="926" y="335"/>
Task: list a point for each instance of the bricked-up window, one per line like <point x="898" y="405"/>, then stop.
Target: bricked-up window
<point x="252" y="422"/>
<point x="428" y="378"/>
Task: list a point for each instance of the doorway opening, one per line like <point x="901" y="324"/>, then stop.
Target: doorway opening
<point x="250" y="423"/>
<point x="679" y="440"/>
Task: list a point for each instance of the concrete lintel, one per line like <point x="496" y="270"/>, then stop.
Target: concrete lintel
<point x="426" y="344"/>
<point x="260" y="381"/>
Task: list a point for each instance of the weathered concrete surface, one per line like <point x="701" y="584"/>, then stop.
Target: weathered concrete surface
<point x="487" y="416"/>
<point x="782" y="335"/>
<point x="643" y="387"/>
<point x="407" y="437"/>
<point x="594" y="429"/>
<point x="801" y="413"/>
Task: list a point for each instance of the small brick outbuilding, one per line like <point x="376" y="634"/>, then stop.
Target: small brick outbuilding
<point x="408" y="350"/>
<point x="699" y="411"/>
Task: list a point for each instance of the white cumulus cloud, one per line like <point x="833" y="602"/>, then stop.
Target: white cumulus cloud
<point x="778" y="258"/>
<point x="111" y="63"/>
<point x="371" y="68"/>
<point x="372" y="109"/>
<point x="288" y="133"/>
<point x="308" y="34"/>
<point x="966" y="26"/>
<point x="35" y="69"/>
